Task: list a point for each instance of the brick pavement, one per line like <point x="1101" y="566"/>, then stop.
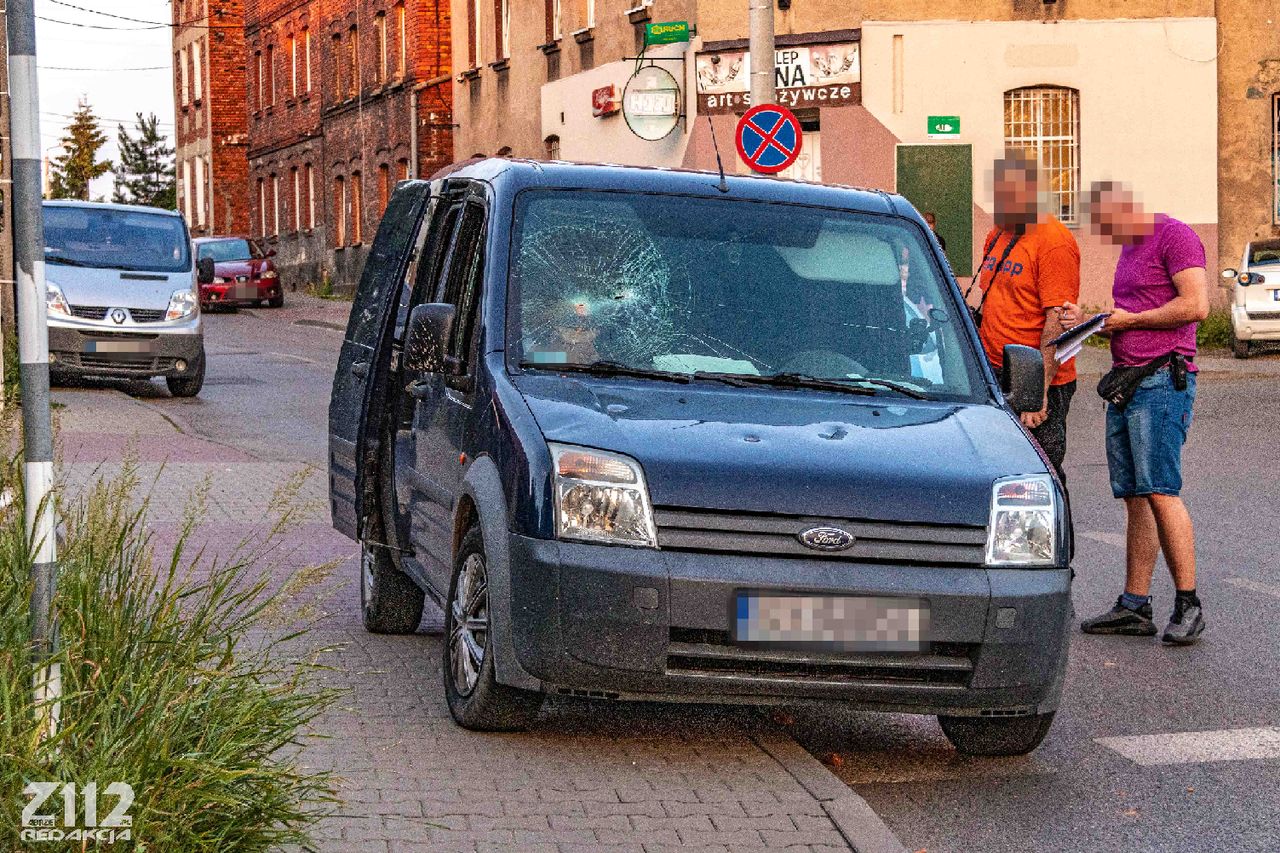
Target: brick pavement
<point x="588" y="776"/>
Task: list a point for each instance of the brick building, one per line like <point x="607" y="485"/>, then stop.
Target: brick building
<point x="345" y="98"/>
<point x="336" y="101"/>
<point x="210" y="118"/>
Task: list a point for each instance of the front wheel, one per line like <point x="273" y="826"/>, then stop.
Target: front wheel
<point x="1239" y="348"/>
<point x="276" y="301"/>
<point x="189" y="385"/>
<point x="996" y="735"/>
<point x="476" y="700"/>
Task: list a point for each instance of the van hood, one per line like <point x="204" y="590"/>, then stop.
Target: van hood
<point x="110" y="288"/>
<point x="799" y="452"/>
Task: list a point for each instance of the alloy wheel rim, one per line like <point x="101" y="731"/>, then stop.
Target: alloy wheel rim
<point x="469" y="637"/>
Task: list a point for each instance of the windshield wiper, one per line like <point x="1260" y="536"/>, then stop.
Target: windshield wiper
<point x="785" y="380"/>
<point x="610" y="368"/>
<point x="68" y="262"/>
<point x="905" y="390"/>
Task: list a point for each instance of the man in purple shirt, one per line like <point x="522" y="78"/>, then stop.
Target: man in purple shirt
<point x="1161" y="293"/>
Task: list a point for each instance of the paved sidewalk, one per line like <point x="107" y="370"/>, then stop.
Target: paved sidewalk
<point x="586" y="777"/>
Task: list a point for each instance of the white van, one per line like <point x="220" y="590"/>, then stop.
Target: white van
<point x="1255" y="306"/>
<point x="123" y="294"/>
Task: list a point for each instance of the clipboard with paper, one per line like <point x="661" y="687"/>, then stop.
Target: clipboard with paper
<point x="1069" y="343"/>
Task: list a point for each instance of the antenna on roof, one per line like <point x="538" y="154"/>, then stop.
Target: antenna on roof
<point x="723" y="185"/>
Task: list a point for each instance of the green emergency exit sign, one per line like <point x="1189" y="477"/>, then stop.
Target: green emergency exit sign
<point x="666" y="32"/>
<point x="944" y="126"/>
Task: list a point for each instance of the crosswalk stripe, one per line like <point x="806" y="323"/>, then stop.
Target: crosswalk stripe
<point x="1197" y="747"/>
<point x="1256" y="586"/>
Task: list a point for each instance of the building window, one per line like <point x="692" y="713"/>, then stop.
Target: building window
<point x="261" y="81"/>
<point x="186" y="190"/>
<point x="186" y="77"/>
<point x="1045" y="122"/>
<point x="339" y="212"/>
<point x="306" y="60"/>
<point x="195" y="70"/>
<point x="262" y="207"/>
<point x="271" y="75"/>
<point x="337" y="66"/>
<point x="200" y="185"/>
<point x="357" y="208"/>
<point x="384" y="187"/>
<point x="1275" y="159"/>
<point x="293" y="67"/>
<point x="296" y="177"/>
<point x="311" y="196"/>
<point x="402" y="40"/>
<point x="402" y="169"/>
<point x="380" y="37"/>
<point x="590" y="13"/>
<point x="553" y="20"/>
<point x="553" y="147"/>
<point x="473" y="35"/>
<point x="275" y="205"/>
<point x="353" y="61"/>
<point x="502" y="28"/>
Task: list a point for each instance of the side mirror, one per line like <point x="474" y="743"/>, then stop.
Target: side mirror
<point x="1022" y="378"/>
<point x="427" y="341"/>
<point x="1229" y="274"/>
<point x="204" y="271"/>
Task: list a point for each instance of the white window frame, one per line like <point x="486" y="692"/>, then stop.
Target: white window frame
<point x="1057" y="154"/>
<point x="306" y="58"/>
<point x="186" y="191"/>
<point x="271" y="75"/>
<point x="506" y="29"/>
<point x="380" y="32"/>
<point x="591" y="13"/>
<point x="557" y="20"/>
<point x="476" y="33"/>
<point x="262" y="82"/>
<point x="402" y="27"/>
<point x="186" y="77"/>
<point x="196" y="75"/>
<point x="311" y="197"/>
<point x="297" y="200"/>
<point x="1275" y="159"/>
<point x="275" y="205"/>
<point x="201" y="176"/>
<point x="262" y="207"/>
<point x="293" y="66"/>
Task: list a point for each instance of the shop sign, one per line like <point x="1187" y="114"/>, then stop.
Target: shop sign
<point x="651" y="103"/>
<point x="604" y="101"/>
<point x="820" y="75"/>
<point x="666" y="32"/>
<point x="941" y="127"/>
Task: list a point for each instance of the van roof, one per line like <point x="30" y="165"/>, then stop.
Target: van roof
<point x="107" y="205"/>
<point x="542" y="173"/>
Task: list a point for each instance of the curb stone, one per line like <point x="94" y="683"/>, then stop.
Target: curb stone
<point x="865" y="831"/>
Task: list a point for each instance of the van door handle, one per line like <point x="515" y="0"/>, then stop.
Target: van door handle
<point x="418" y="389"/>
<point x="360" y="369"/>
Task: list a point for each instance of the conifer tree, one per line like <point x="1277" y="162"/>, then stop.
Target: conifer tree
<point x="79" y="164"/>
<point x="145" y="174"/>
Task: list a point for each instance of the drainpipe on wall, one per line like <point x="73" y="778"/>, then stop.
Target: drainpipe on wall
<point x="413" y="133"/>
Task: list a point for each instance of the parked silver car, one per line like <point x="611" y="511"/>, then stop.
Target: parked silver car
<point x="123" y="294"/>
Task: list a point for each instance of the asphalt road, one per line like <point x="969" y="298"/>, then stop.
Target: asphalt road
<point x="267" y="392"/>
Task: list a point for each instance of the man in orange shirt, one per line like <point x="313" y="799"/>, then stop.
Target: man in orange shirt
<point x="1030" y="269"/>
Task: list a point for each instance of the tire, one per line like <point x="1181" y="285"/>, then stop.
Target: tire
<point x="390" y="603"/>
<point x="1239" y="348"/>
<point x="276" y="301"/>
<point x="476" y="700"/>
<point x="996" y="735"/>
<point x="187" y="386"/>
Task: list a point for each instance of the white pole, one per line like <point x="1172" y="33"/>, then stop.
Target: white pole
<point x="762" y="57"/>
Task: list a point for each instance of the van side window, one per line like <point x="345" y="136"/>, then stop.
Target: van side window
<point x="416" y="261"/>
<point x="462" y="286"/>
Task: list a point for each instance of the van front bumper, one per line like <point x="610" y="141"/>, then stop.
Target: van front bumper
<point x="128" y="351"/>
<point x="642" y="624"/>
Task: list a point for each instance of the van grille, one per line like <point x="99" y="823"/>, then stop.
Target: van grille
<point x="753" y="534"/>
<point x="697" y="653"/>
<point x="1264" y="315"/>
<point x="99" y="312"/>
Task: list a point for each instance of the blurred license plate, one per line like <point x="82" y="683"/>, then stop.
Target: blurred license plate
<point x="845" y="623"/>
<point x="104" y="347"/>
<point x="244" y="291"/>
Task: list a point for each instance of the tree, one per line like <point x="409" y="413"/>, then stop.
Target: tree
<point x="79" y="164"/>
<point x="146" y="172"/>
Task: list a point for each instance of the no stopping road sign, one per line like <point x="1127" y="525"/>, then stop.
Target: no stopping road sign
<point x="769" y="138"/>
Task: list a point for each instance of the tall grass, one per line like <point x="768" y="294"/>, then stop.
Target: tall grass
<point x="176" y="679"/>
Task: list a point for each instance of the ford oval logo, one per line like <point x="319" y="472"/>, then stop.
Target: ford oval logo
<point x="827" y="539"/>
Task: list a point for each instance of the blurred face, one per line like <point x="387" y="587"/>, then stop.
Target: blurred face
<point x="1017" y="194"/>
<point x="1117" y="217"/>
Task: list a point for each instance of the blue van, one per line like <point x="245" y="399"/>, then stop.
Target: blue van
<point x="642" y="434"/>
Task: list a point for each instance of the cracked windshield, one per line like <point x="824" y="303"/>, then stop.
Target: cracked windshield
<point x="737" y="289"/>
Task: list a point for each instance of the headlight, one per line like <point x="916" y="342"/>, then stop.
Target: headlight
<point x="183" y="303"/>
<point x="55" y="301"/>
<point x="217" y="279"/>
<point x="1023" y="530"/>
<point x="601" y="497"/>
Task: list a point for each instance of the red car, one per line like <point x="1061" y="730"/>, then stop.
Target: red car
<point x="243" y="274"/>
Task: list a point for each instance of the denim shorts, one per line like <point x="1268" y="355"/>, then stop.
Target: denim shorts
<point x="1144" y="442"/>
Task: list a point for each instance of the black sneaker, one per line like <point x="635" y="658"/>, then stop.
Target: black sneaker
<point x="1122" y="620"/>
<point x="1186" y="625"/>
